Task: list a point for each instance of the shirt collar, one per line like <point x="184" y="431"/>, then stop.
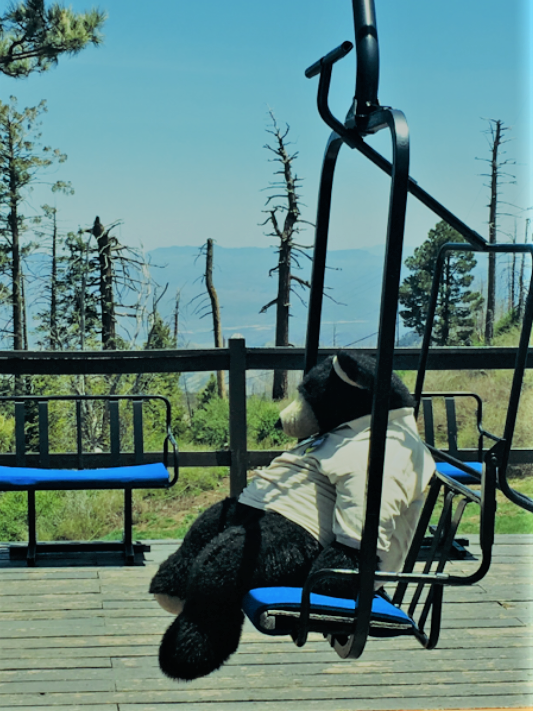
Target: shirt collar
<point x="361" y="424"/>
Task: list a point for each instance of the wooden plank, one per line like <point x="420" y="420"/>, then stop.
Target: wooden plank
<point x="73" y="707"/>
<point x="501" y="693"/>
<point x="38" y="655"/>
<point x="328" y="662"/>
<point x="481" y="702"/>
<point x="32" y="574"/>
<point x="48" y="662"/>
<point x="27" y="603"/>
<point x="48" y="587"/>
<point x="67" y="643"/>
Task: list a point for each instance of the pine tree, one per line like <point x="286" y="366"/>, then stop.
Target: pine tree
<point x="457" y="304"/>
<point x="22" y="160"/>
<point x="32" y="37"/>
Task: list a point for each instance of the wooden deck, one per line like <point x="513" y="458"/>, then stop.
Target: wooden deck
<point x="84" y="638"/>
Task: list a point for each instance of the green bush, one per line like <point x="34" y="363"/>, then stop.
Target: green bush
<point x="262" y="417"/>
<point x="210" y="423"/>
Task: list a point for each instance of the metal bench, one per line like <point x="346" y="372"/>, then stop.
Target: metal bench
<point x="33" y="467"/>
<point x="473" y="457"/>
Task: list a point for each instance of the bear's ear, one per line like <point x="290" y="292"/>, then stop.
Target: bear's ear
<point x="359" y="371"/>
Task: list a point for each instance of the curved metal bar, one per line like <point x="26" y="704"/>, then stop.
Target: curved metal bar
<point x="395" y="120"/>
<point x="316" y="295"/>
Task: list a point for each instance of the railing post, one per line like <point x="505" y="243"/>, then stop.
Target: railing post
<point x="237" y="415"/>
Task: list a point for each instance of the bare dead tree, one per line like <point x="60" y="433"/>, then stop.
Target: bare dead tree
<point x="521" y="282"/>
<point x="497" y="176"/>
<point x="283" y="216"/>
<point x="212" y="308"/>
<point x="121" y="272"/>
<point x="176" y="316"/>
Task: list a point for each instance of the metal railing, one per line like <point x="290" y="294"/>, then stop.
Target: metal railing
<point x="238" y="360"/>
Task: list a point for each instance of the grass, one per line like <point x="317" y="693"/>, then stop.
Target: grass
<point x="168" y="514"/>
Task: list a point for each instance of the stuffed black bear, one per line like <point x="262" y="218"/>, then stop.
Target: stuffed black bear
<point x="302" y="513"/>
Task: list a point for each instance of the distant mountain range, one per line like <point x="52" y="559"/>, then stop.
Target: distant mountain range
<point x="241" y="278"/>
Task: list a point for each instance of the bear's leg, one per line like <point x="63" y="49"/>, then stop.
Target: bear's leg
<point x="208" y="630"/>
<point x="265" y="549"/>
<point x="170" y="582"/>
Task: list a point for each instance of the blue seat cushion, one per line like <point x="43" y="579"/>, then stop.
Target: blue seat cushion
<point x="139" y="477"/>
<point x="275" y="611"/>
<point x="457" y="474"/>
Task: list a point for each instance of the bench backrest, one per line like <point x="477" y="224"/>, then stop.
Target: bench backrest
<point x="36" y="410"/>
<point x="430" y="399"/>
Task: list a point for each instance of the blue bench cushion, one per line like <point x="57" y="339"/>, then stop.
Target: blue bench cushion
<point x="459" y="475"/>
<point x="140" y="476"/>
<point x="275" y="611"/>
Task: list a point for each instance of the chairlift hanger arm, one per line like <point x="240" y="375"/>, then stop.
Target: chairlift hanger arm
<point x="360" y="122"/>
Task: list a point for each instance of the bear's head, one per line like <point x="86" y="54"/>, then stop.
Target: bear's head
<point x="337" y="390"/>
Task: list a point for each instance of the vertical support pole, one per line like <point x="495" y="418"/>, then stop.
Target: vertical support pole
<point x="114" y="432"/>
<point x="237" y="415"/>
<point x="138" y="443"/>
<point x="128" y="526"/>
<point x="20" y="440"/>
<point x="138" y="447"/>
<point x="79" y="434"/>
<point x="316" y="294"/>
<point x="31" y="553"/>
<point x="44" y="447"/>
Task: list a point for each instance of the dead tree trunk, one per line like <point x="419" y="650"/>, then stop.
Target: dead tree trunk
<point x="54" y="335"/>
<point x="285" y="233"/>
<point x="521" y="293"/>
<point x="176" y="317"/>
<point x="491" y="279"/>
<point x="107" y="300"/>
<point x="215" y="311"/>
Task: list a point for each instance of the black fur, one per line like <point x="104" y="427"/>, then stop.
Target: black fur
<point x="333" y="401"/>
<point x="232" y="548"/>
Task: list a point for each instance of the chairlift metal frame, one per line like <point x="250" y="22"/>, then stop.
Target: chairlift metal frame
<point x="365" y="117"/>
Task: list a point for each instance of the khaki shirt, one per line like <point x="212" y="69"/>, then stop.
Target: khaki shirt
<point x="320" y="485"/>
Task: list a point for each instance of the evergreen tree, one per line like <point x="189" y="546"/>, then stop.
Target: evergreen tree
<point x="22" y="160"/>
<point x="32" y="36"/>
<point x="456" y="305"/>
<point x="78" y="323"/>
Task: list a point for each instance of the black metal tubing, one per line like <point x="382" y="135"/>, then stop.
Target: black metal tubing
<point x="447" y="528"/>
<point x="452" y="395"/>
<point x="397" y="124"/>
<point x="353" y="139"/>
<point x="330" y="58"/>
<point x="44" y="458"/>
<point x="314" y="312"/>
<point x="367" y="51"/>
<point x="519" y="365"/>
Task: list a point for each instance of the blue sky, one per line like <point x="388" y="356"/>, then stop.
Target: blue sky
<point x="164" y="125"/>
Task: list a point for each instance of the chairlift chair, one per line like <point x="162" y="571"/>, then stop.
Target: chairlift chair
<point x="348" y="623"/>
